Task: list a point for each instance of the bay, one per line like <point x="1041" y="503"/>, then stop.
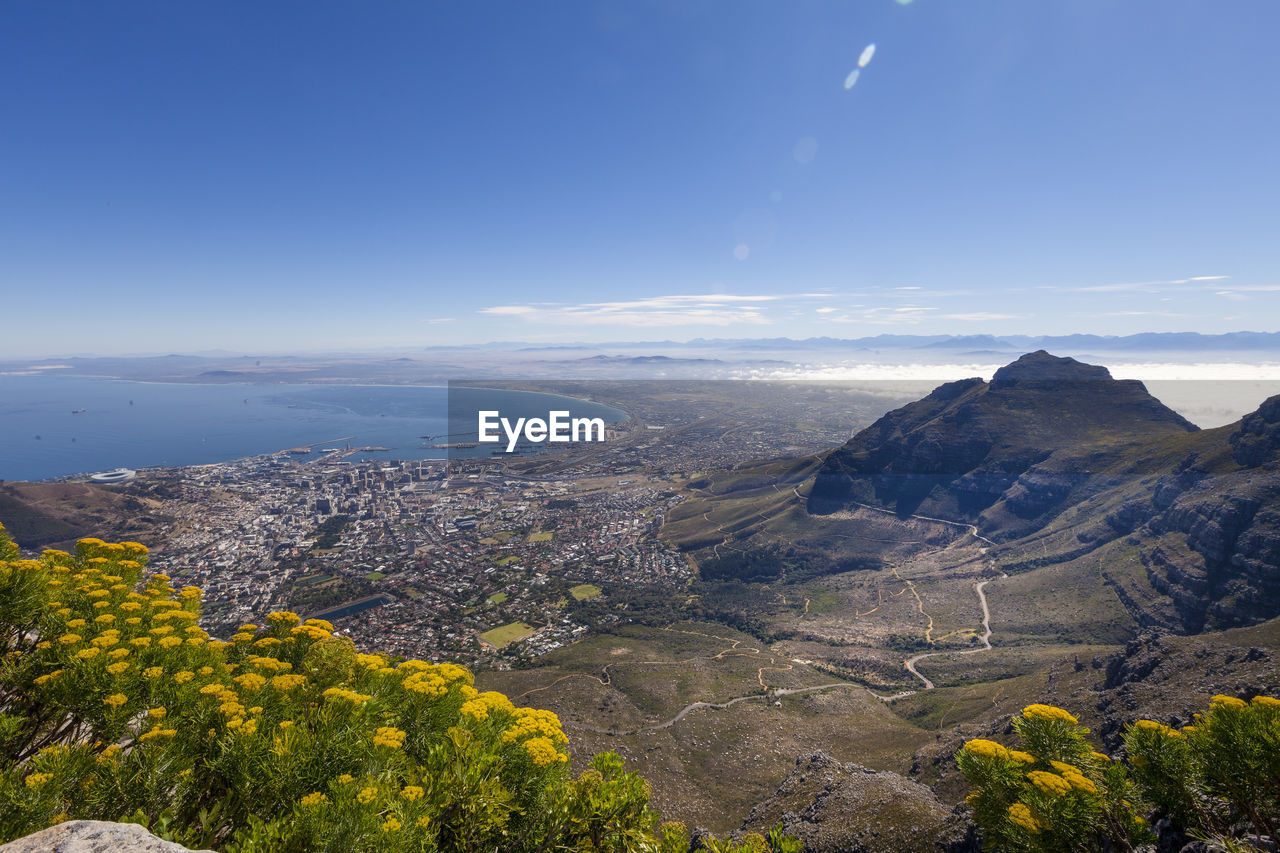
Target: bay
<point x="55" y="426"/>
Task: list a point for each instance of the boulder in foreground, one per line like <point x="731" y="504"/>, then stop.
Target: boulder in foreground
<point x="93" y="836"/>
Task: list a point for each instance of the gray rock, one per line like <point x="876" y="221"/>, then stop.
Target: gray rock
<point x="835" y="807"/>
<point x="93" y="836"/>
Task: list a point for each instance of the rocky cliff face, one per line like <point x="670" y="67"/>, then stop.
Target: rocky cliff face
<point x="1228" y="573"/>
<point x="971" y="443"/>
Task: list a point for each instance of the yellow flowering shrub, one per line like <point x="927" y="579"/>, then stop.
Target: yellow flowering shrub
<point x="284" y="739"/>
<point x="1217" y="774"/>
<point x="1056" y="794"/>
<point x="1215" y="779"/>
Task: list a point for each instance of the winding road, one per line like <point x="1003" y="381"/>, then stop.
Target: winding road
<point x="985" y="639"/>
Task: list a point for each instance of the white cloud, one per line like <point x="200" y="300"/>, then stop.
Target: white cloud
<point x="1142" y="314"/>
<point x="516" y="310"/>
<point x="905" y="315"/>
<point x="1142" y="286"/>
<point x="711" y="309"/>
<point x="979" y="316"/>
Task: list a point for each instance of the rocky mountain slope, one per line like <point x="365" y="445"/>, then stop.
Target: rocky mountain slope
<point x="1055" y="457"/>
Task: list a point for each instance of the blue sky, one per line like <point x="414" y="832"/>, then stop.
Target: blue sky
<point x="321" y="175"/>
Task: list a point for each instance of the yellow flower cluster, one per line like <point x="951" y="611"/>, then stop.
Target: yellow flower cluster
<point x="1049" y="713"/>
<point x="1050" y="783"/>
<point x="533" y="722"/>
<point x="432" y="680"/>
<point x="142" y="632"/>
<point x="389" y="737"/>
<point x="1074" y="776"/>
<point x="267" y="664"/>
<point x="250" y="681"/>
<point x="311" y="631"/>
<point x="1153" y="726"/>
<point x="1231" y="702"/>
<point x="35" y="780"/>
<point x="371" y="662"/>
<point x="480" y="707"/>
<point x="343" y="693"/>
<point x="1024" y="757"/>
<point x="158" y="732"/>
<point x="42" y="680"/>
<point x="287" y="682"/>
<point x="987" y="749"/>
<point x="1021" y="815"/>
<point x="543" y="752"/>
<point x="1266" y="702"/>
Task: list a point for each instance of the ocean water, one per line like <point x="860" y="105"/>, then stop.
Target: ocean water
<point x="139" y="424"/>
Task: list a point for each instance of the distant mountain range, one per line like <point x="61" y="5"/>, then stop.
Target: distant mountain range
<point x="1163" y="342"/>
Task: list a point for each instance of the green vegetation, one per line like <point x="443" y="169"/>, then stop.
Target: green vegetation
<point x="755" y="564"/>
<point x="504" y="635"/>
<point x="585" y="591"/>
<point x="328" y="590"/>
<point x="329" y="530"/>
<point x="374" y="576"/>
<point x="118" y="706"/>
<point x="497" y="598"/>
<point x="541" y="536"/>
<point x="1211" y="779"/>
